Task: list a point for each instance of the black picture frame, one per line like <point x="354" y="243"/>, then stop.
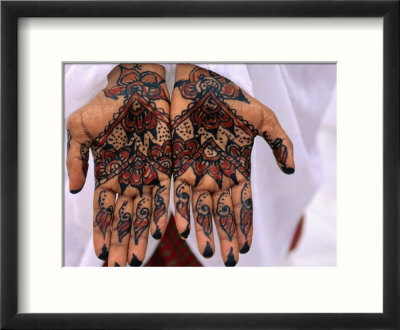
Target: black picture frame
<point x="11" y="11"/>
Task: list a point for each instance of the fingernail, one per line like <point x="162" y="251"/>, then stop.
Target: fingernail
<point x="157" y="234"/>
<point x="75" y="191"/>
<point x="135" y="262"/>
<point x="230" y="262"/>
<point x="245" y="248"/>
<point x="287" y="170"/>
<point x="208" y="252"/>
<point x="104" y="253"/>
<point x="116" y="264"/>
<point x="185" y="234"/>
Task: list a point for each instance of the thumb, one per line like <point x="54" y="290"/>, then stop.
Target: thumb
<point x="78" y="145"/>
<point x="278" y="140"/>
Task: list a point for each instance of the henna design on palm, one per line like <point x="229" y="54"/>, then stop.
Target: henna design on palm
<point x="135" y="146"/>
<point x="105" y="214"/>
<point x="213" y="131"/>
<point x="124" y="223"/>
<point x="220" y="141"/>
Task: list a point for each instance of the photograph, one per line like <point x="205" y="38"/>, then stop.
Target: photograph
<point x="199" y="164"/>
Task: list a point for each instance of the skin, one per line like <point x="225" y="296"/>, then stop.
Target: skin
<point x="214" y="124"/>
<point x="126" y="126"/>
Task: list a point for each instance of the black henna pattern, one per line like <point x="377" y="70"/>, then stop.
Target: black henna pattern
<point x="142" y="219"/>
<point x="246" y="212"/>
<point x="159" y="209"/>
<point x="105" y="214"/>
<point x="226" y="219"/>
<point x="69" y="137"/>
<point x="84" y="150"/>
<point x="280" y="152"/>
<point x="124" y="223"/>
<point x="209" y="136"/>
<point x="182" y="204"/>
<point x="204" y="218"/>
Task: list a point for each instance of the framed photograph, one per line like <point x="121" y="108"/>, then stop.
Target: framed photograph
<point x="58" y="55"/>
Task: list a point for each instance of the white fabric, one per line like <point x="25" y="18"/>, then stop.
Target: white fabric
<point x="299" y="95"/>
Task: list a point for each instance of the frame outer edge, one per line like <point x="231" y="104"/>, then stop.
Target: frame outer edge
<point x="9" y="163"/>
<point x="391" y="167"/>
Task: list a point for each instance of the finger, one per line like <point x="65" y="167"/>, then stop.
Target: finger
<point x="202" y="208"/>
<point x="277" y="139"/>
<point x="182" y="208"/>
<point x="243" y="207"/>
<point x="120" y="233"/>
<point x="78" y="145"/>
<point x="140" y="230"/>
<point x="160" y="209"/>
<point x="103" y="213"/>
<point x="226" y="227"/>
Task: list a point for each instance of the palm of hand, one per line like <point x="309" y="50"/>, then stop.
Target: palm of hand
<point x="132" y="151"/>
<point x="213" y="133"/>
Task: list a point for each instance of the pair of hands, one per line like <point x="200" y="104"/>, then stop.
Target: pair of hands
<point x="136" y="147"/>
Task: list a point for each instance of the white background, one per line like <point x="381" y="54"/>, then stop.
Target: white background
<point x="355" y="285"/>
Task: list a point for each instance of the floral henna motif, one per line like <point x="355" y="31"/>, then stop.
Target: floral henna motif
<point x="140" y="90"/>
<point x="204" y="215"/>
<point x="105" y="214"/>
<point x="246" y="212"/>
<point x="124" y="223"/>
<point x="141" y="221"/>
<point x="209" y="136"/>
<point x="135" y="146"/>
<point x="201" y="81"/>
<point x="226" y="219"/>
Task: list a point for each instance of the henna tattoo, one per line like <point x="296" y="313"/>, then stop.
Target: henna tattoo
<point x="204" y="214"/>
<point x="141" y="220"/>
<point x="105" y="214"/>
<point x="159" y="210"/>
<point x="246" y="212"/>
<point x="230" y="261"/>
<point x="104" y="253"/>
<point x="85" y="157"/>
<point x="208" y="252"/>
<point x="226" y="219"/>
<point x="135" y="146"/>
<point x="69" y="137"/>
<point x="201" y="80"/>
<point x="182" y="205"/>
<point x="135" y="262"/>
<point x="124" y="223"/>
<point x="280" y="152"/>
<point x="209" y="136"/>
